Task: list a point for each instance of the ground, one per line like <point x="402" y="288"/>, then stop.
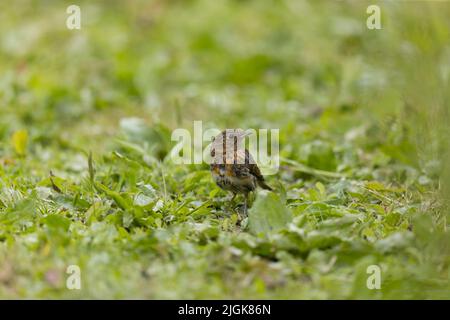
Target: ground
<point x="86" y="177"/>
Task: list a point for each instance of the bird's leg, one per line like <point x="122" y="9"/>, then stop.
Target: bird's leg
<point x="245" y="204"/>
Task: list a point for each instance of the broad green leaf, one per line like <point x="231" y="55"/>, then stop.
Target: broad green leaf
<point x="268" y="214"/>
<point x="57" y="222"/>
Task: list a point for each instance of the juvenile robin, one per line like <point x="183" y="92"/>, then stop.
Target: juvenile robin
<point x="232" y="166"/>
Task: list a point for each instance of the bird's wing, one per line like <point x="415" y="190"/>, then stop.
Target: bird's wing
<point x="254" y="170"/>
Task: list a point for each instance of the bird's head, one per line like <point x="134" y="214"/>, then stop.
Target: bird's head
<point x="228" y="137"/>
<point x="231" y="135"/>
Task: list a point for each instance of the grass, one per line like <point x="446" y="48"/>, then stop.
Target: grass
<point x="85" y="124"/>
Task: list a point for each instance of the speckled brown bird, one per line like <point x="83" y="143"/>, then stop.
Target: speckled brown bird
<point x="232" y="166"/>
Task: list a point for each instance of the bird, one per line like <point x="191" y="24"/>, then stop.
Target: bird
<point x="233" y="167"/>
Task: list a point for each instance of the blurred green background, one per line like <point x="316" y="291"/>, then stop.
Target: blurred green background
<point x="364" y="126"/>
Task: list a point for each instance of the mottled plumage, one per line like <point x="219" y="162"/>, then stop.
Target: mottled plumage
<point x="232" y="166"/>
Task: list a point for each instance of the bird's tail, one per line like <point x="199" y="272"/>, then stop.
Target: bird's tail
<point x="264" y="185"/>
